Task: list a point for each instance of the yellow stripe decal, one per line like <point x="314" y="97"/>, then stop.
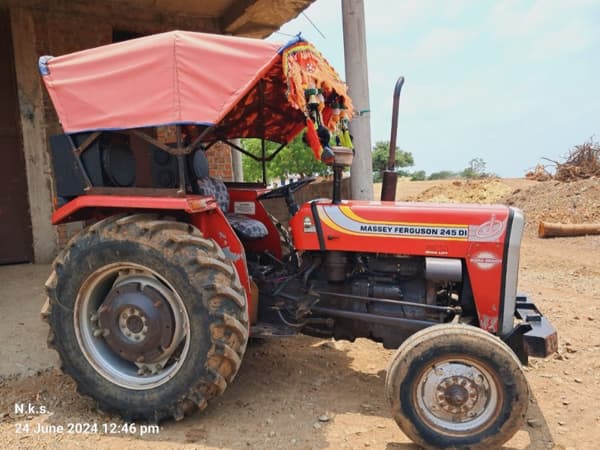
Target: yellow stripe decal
<point x="344" y="220"/>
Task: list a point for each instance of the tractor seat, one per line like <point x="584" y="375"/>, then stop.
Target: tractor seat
<point x="244" y="226"/>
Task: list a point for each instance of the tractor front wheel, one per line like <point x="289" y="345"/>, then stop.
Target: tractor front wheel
<point x="457" y="386"/>
<point x="148" y="317"/>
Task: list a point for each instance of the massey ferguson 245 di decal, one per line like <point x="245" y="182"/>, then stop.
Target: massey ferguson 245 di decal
<point x="345" y="220"/>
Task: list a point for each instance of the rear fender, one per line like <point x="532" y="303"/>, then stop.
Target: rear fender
<point x="98" y="206"/>
<point x="203" y="213"/>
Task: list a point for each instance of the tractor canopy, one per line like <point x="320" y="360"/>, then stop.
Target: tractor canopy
<point x="237" y="87"/>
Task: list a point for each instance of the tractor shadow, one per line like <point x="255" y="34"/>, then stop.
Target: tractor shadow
<point x="305" y="392"/>
<point x="301" y="393"/>
<point x="295" y="393"/>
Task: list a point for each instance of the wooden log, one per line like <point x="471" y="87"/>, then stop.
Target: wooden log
<point x="549" y="229"/>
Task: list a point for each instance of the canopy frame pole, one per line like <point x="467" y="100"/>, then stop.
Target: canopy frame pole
<point x="180" y="160"/>
<point x="78" y="151"/>
<point x="180" y="151"/>
<point x="264" y="165"/>
<point x="242" y="150"/>
<point x="276" y="152"/>
<point x="198" y="139"/>
<point x="261" y="119"/>
<point x="254" y="157"/>
<point x="158" y="144"/>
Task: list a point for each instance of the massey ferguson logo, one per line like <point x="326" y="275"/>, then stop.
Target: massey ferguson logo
<point x="489" y="231"/>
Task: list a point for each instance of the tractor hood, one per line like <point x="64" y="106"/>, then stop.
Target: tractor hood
<point x="435" y="229"/>
<point x="240" y="87"/>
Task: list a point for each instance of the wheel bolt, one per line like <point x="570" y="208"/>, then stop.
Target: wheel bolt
<point x="98" y="332"/>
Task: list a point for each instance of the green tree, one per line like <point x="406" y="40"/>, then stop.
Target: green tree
<point x="294" y="158"/>
<point x="443" y="175"/>
<point x="418" y="175"/>
<point x="380" y="159"/>
<point x="476" y="169"/>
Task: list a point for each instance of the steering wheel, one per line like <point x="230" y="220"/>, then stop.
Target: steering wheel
<point x="287" y="192"/>
<point x="287" y="189"/>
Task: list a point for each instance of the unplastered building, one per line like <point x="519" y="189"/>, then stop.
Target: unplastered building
<point x="31" y="28"/>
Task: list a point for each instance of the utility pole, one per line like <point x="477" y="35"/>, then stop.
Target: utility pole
<point x="236" y="161"/>
<point x="355" y="56"/>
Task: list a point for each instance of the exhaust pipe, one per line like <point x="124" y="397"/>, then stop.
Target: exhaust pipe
<point x="390" y="177"/>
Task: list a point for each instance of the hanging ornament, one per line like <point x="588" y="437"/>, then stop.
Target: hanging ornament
<point x="312" y="138"/>
<point x="311" y="95"/>
<point x="344" y="134"/>
<point x="321" y="97"/>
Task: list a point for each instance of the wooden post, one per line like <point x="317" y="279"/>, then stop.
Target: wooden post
<point x="548" y="229"/>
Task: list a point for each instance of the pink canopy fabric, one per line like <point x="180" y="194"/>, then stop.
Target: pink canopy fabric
<point x="170" y="78"/>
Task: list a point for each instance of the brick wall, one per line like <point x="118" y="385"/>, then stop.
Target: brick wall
<point x="218" y="155"/>
<point x="219" y="161"/>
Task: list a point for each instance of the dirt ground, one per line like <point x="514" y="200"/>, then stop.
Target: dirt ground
<point x="310" y="393"/>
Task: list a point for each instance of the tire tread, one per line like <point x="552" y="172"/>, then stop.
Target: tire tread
<point x="229" y="315"/>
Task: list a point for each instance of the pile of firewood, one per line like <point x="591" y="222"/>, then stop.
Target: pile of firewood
<point x="540" y="173"/>
<point x="583" y="162"/>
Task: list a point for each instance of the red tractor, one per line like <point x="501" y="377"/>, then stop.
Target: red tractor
<point x="151" y="306"/>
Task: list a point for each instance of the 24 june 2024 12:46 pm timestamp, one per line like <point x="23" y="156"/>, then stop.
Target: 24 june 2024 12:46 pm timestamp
<point x="110" y="428"/>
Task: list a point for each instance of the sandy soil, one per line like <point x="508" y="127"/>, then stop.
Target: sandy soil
<point x="309" y="393"/>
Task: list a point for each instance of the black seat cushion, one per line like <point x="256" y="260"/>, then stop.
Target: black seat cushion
<point x="246" y="227"/>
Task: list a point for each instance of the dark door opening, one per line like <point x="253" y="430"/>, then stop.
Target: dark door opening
<point x="16" y="242"/>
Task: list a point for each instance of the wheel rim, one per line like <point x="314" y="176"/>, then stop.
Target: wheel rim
<point x="457" y="396"/>
<point x="131" y="326"/>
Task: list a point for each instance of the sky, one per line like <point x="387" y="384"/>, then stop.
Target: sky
<point x="509" y="81"/>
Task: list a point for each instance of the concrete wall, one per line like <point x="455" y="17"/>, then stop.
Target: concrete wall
<point x="37" y="158"/>
<point x="318" y="189"/>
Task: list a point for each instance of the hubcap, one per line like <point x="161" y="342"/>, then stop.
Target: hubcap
<point x="131" y="325"/>
<point x="457" y="396"/>
<point x="139" y="321"/>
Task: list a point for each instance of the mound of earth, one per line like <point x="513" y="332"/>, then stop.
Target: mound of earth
<point x="469" y="191"/>
<point x="550" y="201"/>
<point x="555" y="201"/>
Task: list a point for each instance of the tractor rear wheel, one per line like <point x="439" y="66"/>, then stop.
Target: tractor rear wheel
<point x="148" y="317"/>
<point x="457" y="386"/>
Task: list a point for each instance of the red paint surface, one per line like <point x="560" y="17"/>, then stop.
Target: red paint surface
<point x="485" y="281"/>
<point x="270" y="242"/>
<point x="187" y="203"/>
